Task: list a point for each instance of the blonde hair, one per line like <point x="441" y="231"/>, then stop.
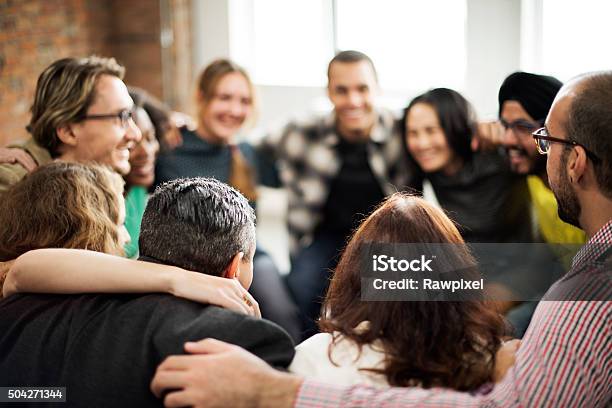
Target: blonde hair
<point x="64" y="92"/>
<point x="209" y="79"/>
<point x="62" y="205"/>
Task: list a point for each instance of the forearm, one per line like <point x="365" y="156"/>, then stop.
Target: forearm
<point x="68" y="271"/>
<point x="79" y="271"/>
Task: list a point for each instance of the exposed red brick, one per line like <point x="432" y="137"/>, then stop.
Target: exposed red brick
<point x="34" y="33"/>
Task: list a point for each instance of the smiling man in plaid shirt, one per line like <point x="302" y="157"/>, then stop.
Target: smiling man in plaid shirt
<point x="336" y="168"/>
<point x="565" y="358"/>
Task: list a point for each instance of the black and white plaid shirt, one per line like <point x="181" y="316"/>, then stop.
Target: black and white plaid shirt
<point x="306" y="158"/>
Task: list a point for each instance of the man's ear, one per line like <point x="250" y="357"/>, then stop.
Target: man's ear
<point x="576" y="165"/>
<point x="233" y="271"/>
<point x="66" y="135"/>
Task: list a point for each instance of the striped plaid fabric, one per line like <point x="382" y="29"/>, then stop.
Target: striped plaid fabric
<point x="305" y="153"/>
<point x="565" y="359"/>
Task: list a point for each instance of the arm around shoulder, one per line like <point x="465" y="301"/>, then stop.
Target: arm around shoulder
<point x="68" y="271"/>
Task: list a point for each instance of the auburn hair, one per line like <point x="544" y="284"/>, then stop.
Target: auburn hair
<point x="448" y="344"/>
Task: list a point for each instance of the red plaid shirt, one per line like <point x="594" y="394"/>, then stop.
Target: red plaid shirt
<point x="565" y="358"/>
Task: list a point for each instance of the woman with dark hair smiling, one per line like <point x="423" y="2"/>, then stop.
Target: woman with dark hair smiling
<point x="449" y="344"/>
<point x="477" y="189"/>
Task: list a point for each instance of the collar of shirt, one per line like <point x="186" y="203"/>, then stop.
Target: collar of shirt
<point x="379" y="134"/>
<point x="597" y="245"/>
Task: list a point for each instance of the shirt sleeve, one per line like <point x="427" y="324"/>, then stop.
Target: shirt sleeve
<point x="10" y="174"/>
<point x="565" y="360"/>
<point x="314" y="394"/>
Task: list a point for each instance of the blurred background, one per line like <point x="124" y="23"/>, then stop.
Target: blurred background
<point x="468" y="45"/>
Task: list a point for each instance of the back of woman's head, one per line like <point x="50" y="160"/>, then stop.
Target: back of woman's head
<point x="456" y="117"/>
<point x="61" y="205"/>
<point x="445" y="343"/>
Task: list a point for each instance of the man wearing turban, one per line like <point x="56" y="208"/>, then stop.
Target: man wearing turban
<point x="524" y="102"/>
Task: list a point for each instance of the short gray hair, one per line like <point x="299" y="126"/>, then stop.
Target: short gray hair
<point x="198" y="224"/>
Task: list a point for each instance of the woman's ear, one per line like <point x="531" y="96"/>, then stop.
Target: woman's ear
<point x="233" y="271"/>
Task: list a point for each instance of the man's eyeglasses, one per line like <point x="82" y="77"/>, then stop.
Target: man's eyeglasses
<point x="124" y="117"/>
<point x="521" y="126"/>
<point x="543" y="140"/>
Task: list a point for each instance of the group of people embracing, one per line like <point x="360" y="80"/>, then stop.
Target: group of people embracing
<point x="104" y="325"/>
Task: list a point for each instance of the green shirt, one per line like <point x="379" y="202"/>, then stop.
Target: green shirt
<point x="135" y="203"/>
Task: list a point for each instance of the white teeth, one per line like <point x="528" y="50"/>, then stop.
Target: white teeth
<point x="352" y="114"/>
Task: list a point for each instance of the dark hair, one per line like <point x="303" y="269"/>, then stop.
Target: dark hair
<point x="456" y="117"/>
<point x="351" y="56"/>
<point x="590" y="123"/>
<point x="197" y="224"/>
<point x="64" y="92"/>
<point x="429" y="344"/>
<point x="62" y="205"/>
<point x="158" y="112"/>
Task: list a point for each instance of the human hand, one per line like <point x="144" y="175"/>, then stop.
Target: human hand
<point x="13" y="155"/>
<point x="505" y="358"/>
<point x="227" y="293"/>
<point x="180" y="119"/>
<point x="173" y="138"/>
<point x="488" y="136"/>
<point x="222" y="375"/>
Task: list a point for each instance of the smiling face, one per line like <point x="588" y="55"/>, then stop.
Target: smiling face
<point x="518" y="141"/>
<point x="351" y="89"/>
<point x="223" y="115"/>
<point x="426" y="140"/>
<point x="142" y="156"/>
<point x="105" y="141"/>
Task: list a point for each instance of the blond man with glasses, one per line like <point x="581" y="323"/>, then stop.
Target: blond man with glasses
<point x="82" y="112"/>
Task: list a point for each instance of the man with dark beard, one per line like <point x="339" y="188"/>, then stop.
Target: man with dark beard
<point x="524" y="102"/>
<point x="565" y="358"/>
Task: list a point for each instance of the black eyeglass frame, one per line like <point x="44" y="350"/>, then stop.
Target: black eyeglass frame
<point x="124" y="117"/>
<point x="527" y="125"/>
<point x="542" y="134"/>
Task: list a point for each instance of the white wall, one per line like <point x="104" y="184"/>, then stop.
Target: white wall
<point x="210" y="30"/>
<point x="493" y="51"/>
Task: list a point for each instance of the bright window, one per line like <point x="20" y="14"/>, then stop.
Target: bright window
<point x="291" y="42"/>
<point x="414" y="45"/>
<point x="576" y="37"/>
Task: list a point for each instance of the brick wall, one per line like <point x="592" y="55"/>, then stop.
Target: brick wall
<point x="34" y="33"/>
